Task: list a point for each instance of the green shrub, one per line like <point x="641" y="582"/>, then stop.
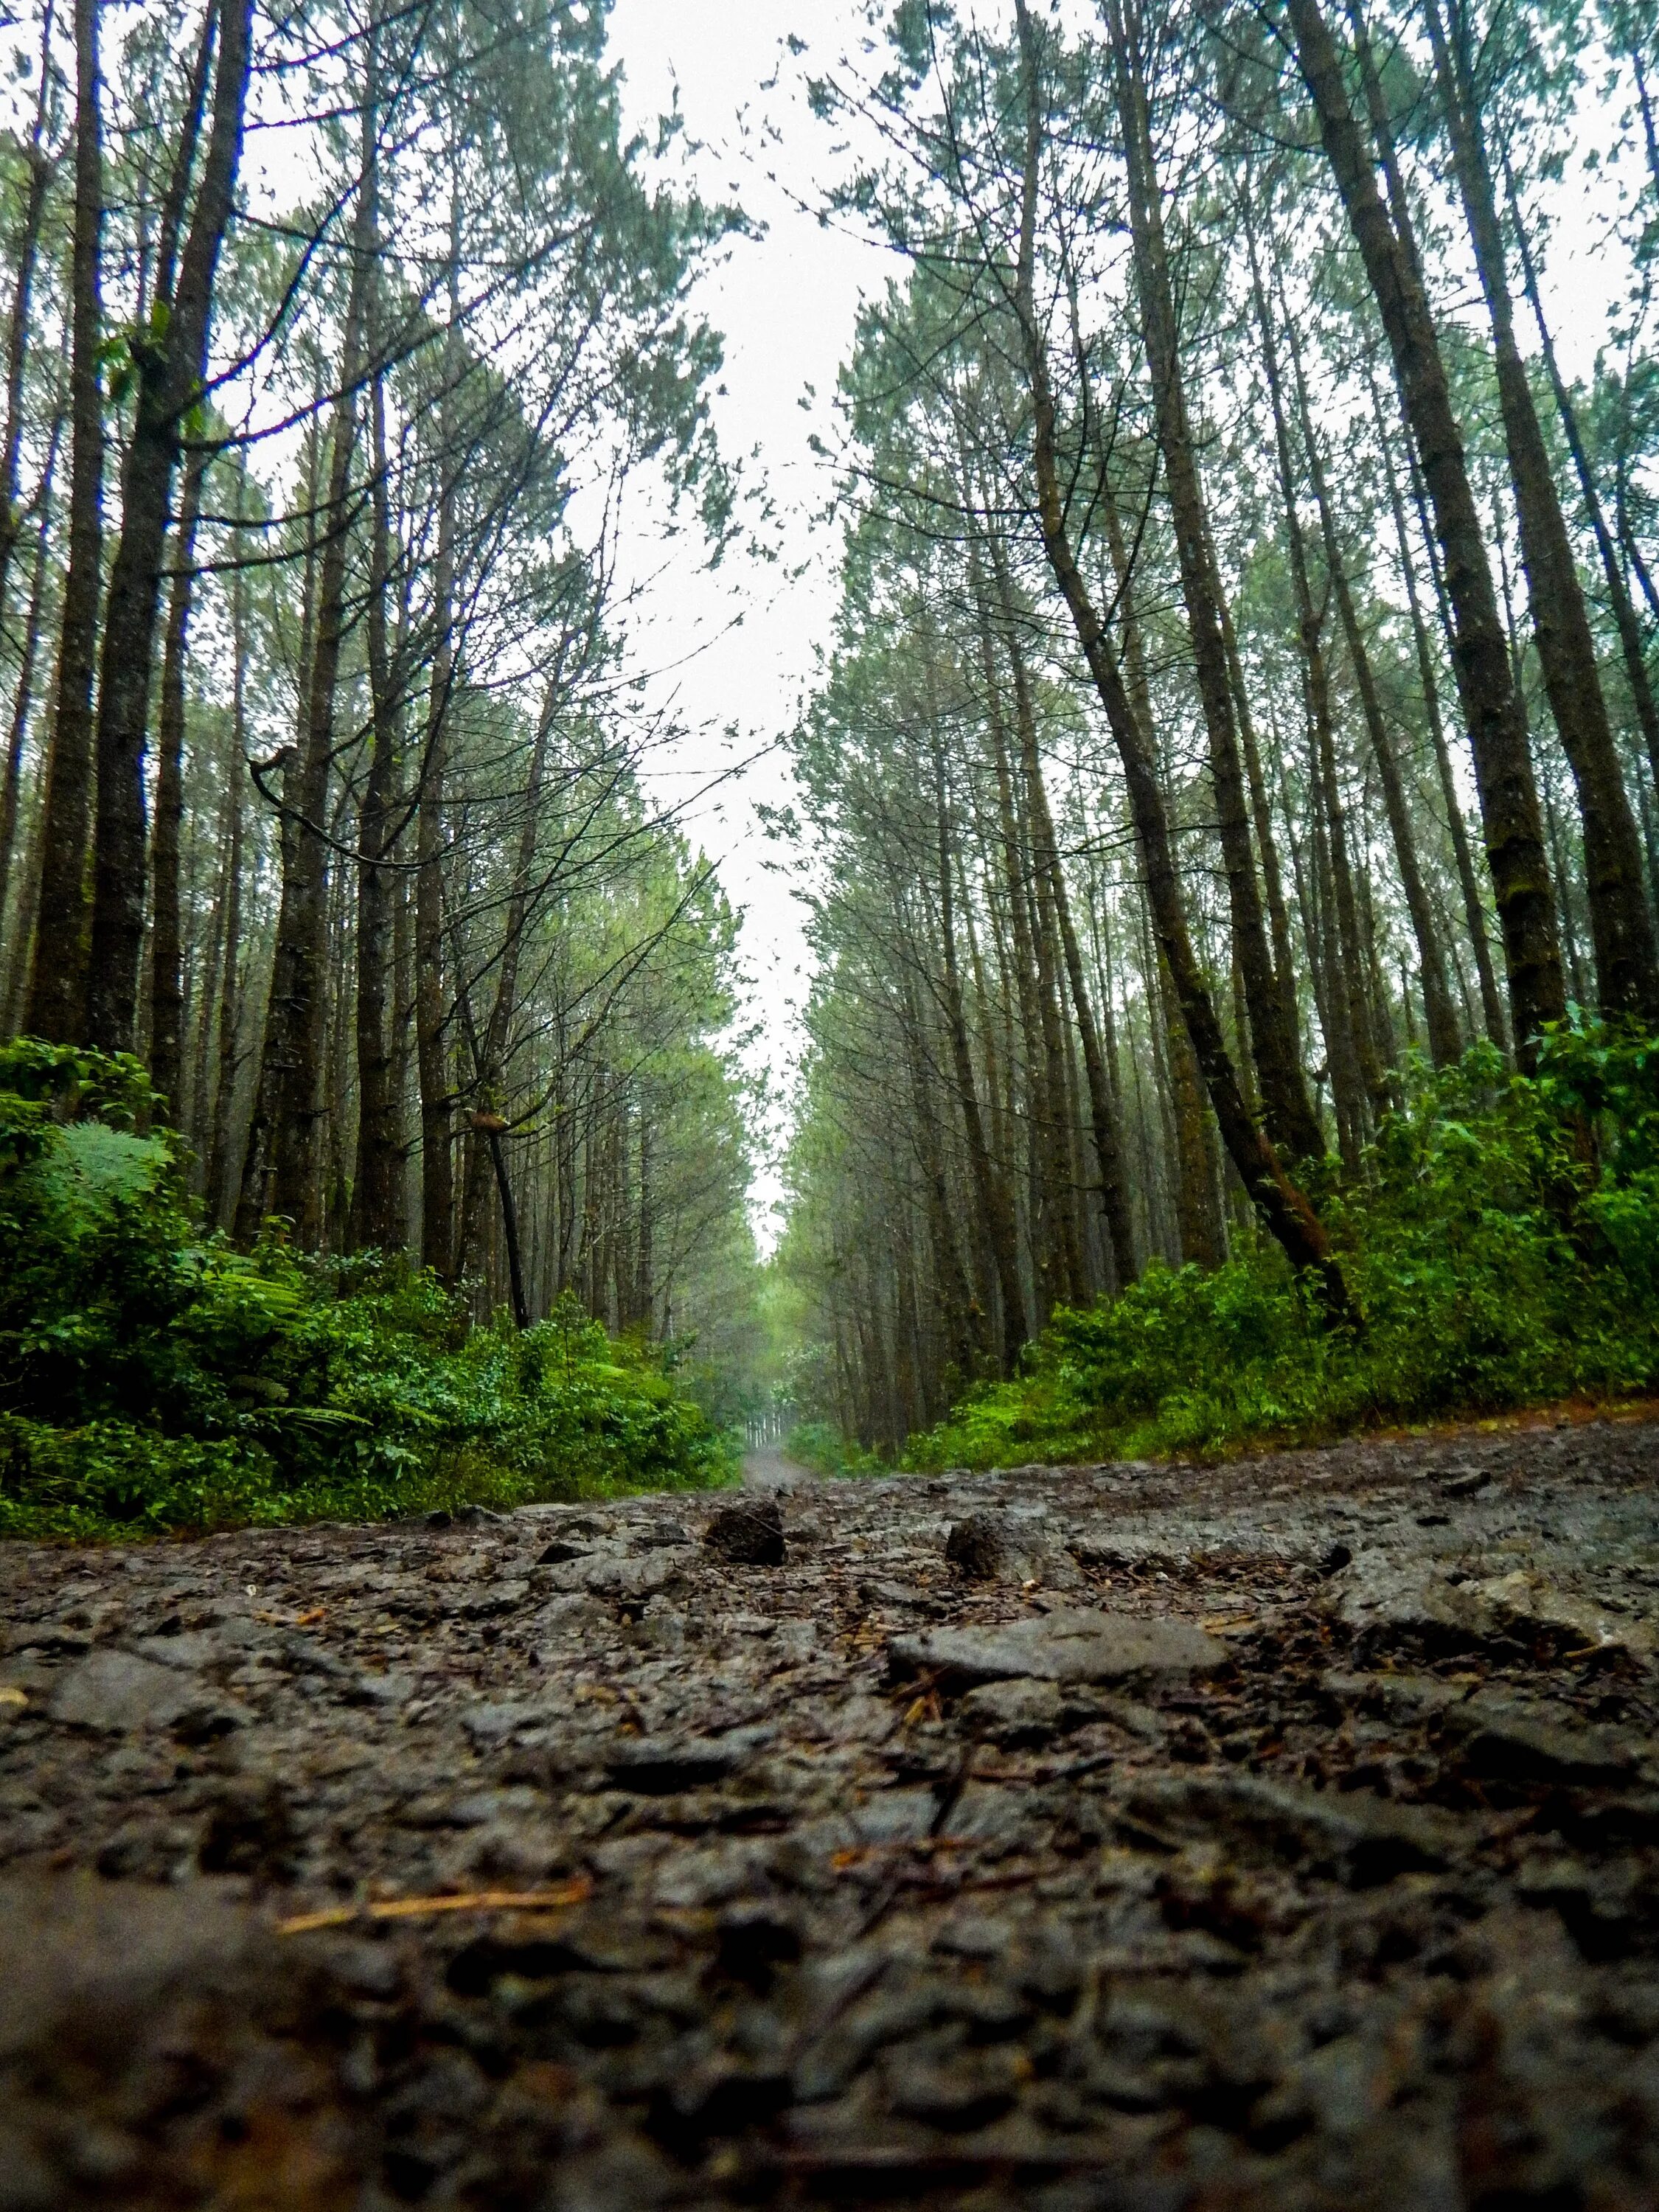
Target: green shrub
<point x="153" y="1377"/>
<point x="1505" y="1250"/>
<point x="820" y="1446"/>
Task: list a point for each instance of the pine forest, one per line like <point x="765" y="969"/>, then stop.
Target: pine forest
<point x="1224" y="817"/>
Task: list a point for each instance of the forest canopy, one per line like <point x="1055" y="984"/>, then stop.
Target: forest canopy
<point x="1226" y="811"/>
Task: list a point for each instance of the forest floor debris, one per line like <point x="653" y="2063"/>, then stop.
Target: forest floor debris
<point x="1283" y="1834"/>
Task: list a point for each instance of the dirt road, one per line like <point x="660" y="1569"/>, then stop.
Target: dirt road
<point x="1279" y="1836"/>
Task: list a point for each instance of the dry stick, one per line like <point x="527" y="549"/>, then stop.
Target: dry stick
<point x="425" y="1908"/>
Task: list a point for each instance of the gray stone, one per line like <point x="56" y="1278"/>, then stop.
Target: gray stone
<point x="1061" y="1647"/>
<point x="498" y="1723"/>
<point x="118" y="1690"/>
<point x="1385" y="1601"/>
<point x="1014" y="1712"/>
<point x="1404" y="1697"/>
<point x="612" y="1574"/>
<point x="1362" y="1838"/>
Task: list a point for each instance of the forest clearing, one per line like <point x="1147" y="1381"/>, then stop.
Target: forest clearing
<point x="830" y="1104"/>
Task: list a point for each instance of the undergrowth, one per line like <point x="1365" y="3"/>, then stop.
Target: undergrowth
<point x="821" y="1447"/>
<point x="153" y="1377"/>
<point x="1503" y="1249"/>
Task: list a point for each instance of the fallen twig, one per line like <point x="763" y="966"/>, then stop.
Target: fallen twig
<point x="576" y="1892"/>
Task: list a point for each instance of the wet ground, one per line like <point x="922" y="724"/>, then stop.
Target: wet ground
<point x="1282" y="1835"/>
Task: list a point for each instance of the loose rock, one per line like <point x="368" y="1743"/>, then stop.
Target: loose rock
<point x="747" y="1535"/>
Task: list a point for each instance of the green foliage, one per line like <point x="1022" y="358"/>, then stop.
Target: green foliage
<point x="152" y="1377"/>
<point x="820" y="1446"/>
<point x="1505" y="1251"/>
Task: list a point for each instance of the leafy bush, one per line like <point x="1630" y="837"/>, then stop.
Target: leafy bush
<point x="153" y="1377"/>
<point x="1504" y="1251"/>
<point x="820" y="1446"/>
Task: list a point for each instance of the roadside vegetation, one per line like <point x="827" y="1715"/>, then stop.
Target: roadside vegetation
<point x="154" y="1378"/>
<point x="1504" y="1252"/>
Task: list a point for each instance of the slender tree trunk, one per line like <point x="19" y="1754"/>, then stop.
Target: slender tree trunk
<point x="23" y="704"/>
<point x="1619" y="598"/>
<point x="57" y="975"/>
<point x="1626" y="962"/>
<point x="166" y="975"/>
<point x="1284" y="1208"/>
<point x="1102" y="1105"/>
<point x="12" y="512"/>
<point x="431" y="1009"/>
<point x="1474" y="913"/>
<point x="490" y="1061"/>
<point x="1444" y="1041"/>
<point x="291" y="1103"/>
<point x="995" y="1206"/>
<point x="1287" y="1109"/>
<point x="1509" y="795"/>
<point x="172" y="364"/>
<point x="1052" y="1134"/>
<point x="374" y="1181"/>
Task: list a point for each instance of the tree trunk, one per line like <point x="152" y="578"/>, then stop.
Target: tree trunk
<point x="57" y="975"/>
<point x="374" y="1179"/>
<point x="995" y="1205"/>
<point x="1444" y="1041"/>
<point x="23" y="704"/>
<point x="431" y="1009"/>
<point x="1619" y="598"/>
<point x="167" y="976"/>
<point x="1284" y="1208"/>
<point x="1286" y="1110"/>
<point x="291" y="1062"/>
<point x="1509" y="795"/>
<point x="171" y="362"/>
<point x="1626" y="962"/>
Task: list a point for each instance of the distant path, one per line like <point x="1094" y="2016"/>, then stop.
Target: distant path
<point x="766" y="1468"/>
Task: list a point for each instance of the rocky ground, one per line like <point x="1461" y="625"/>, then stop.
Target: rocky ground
<point x="1279" y="1836"/>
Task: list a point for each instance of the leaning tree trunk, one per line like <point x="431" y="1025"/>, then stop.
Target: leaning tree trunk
<point x="1504" y="775"/>
<point x="1626" y="962"/>
<point x="1445" y="1042"/>
<point x="1284" y="1208"/>
<point x="1286" y="1108"/>
<point x="1619" y="598"/>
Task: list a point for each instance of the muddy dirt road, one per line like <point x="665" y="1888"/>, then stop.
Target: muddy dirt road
<point x="1279" y="1836"/>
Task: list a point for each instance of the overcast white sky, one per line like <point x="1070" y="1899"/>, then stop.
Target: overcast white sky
<point x="786" y="302"/>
